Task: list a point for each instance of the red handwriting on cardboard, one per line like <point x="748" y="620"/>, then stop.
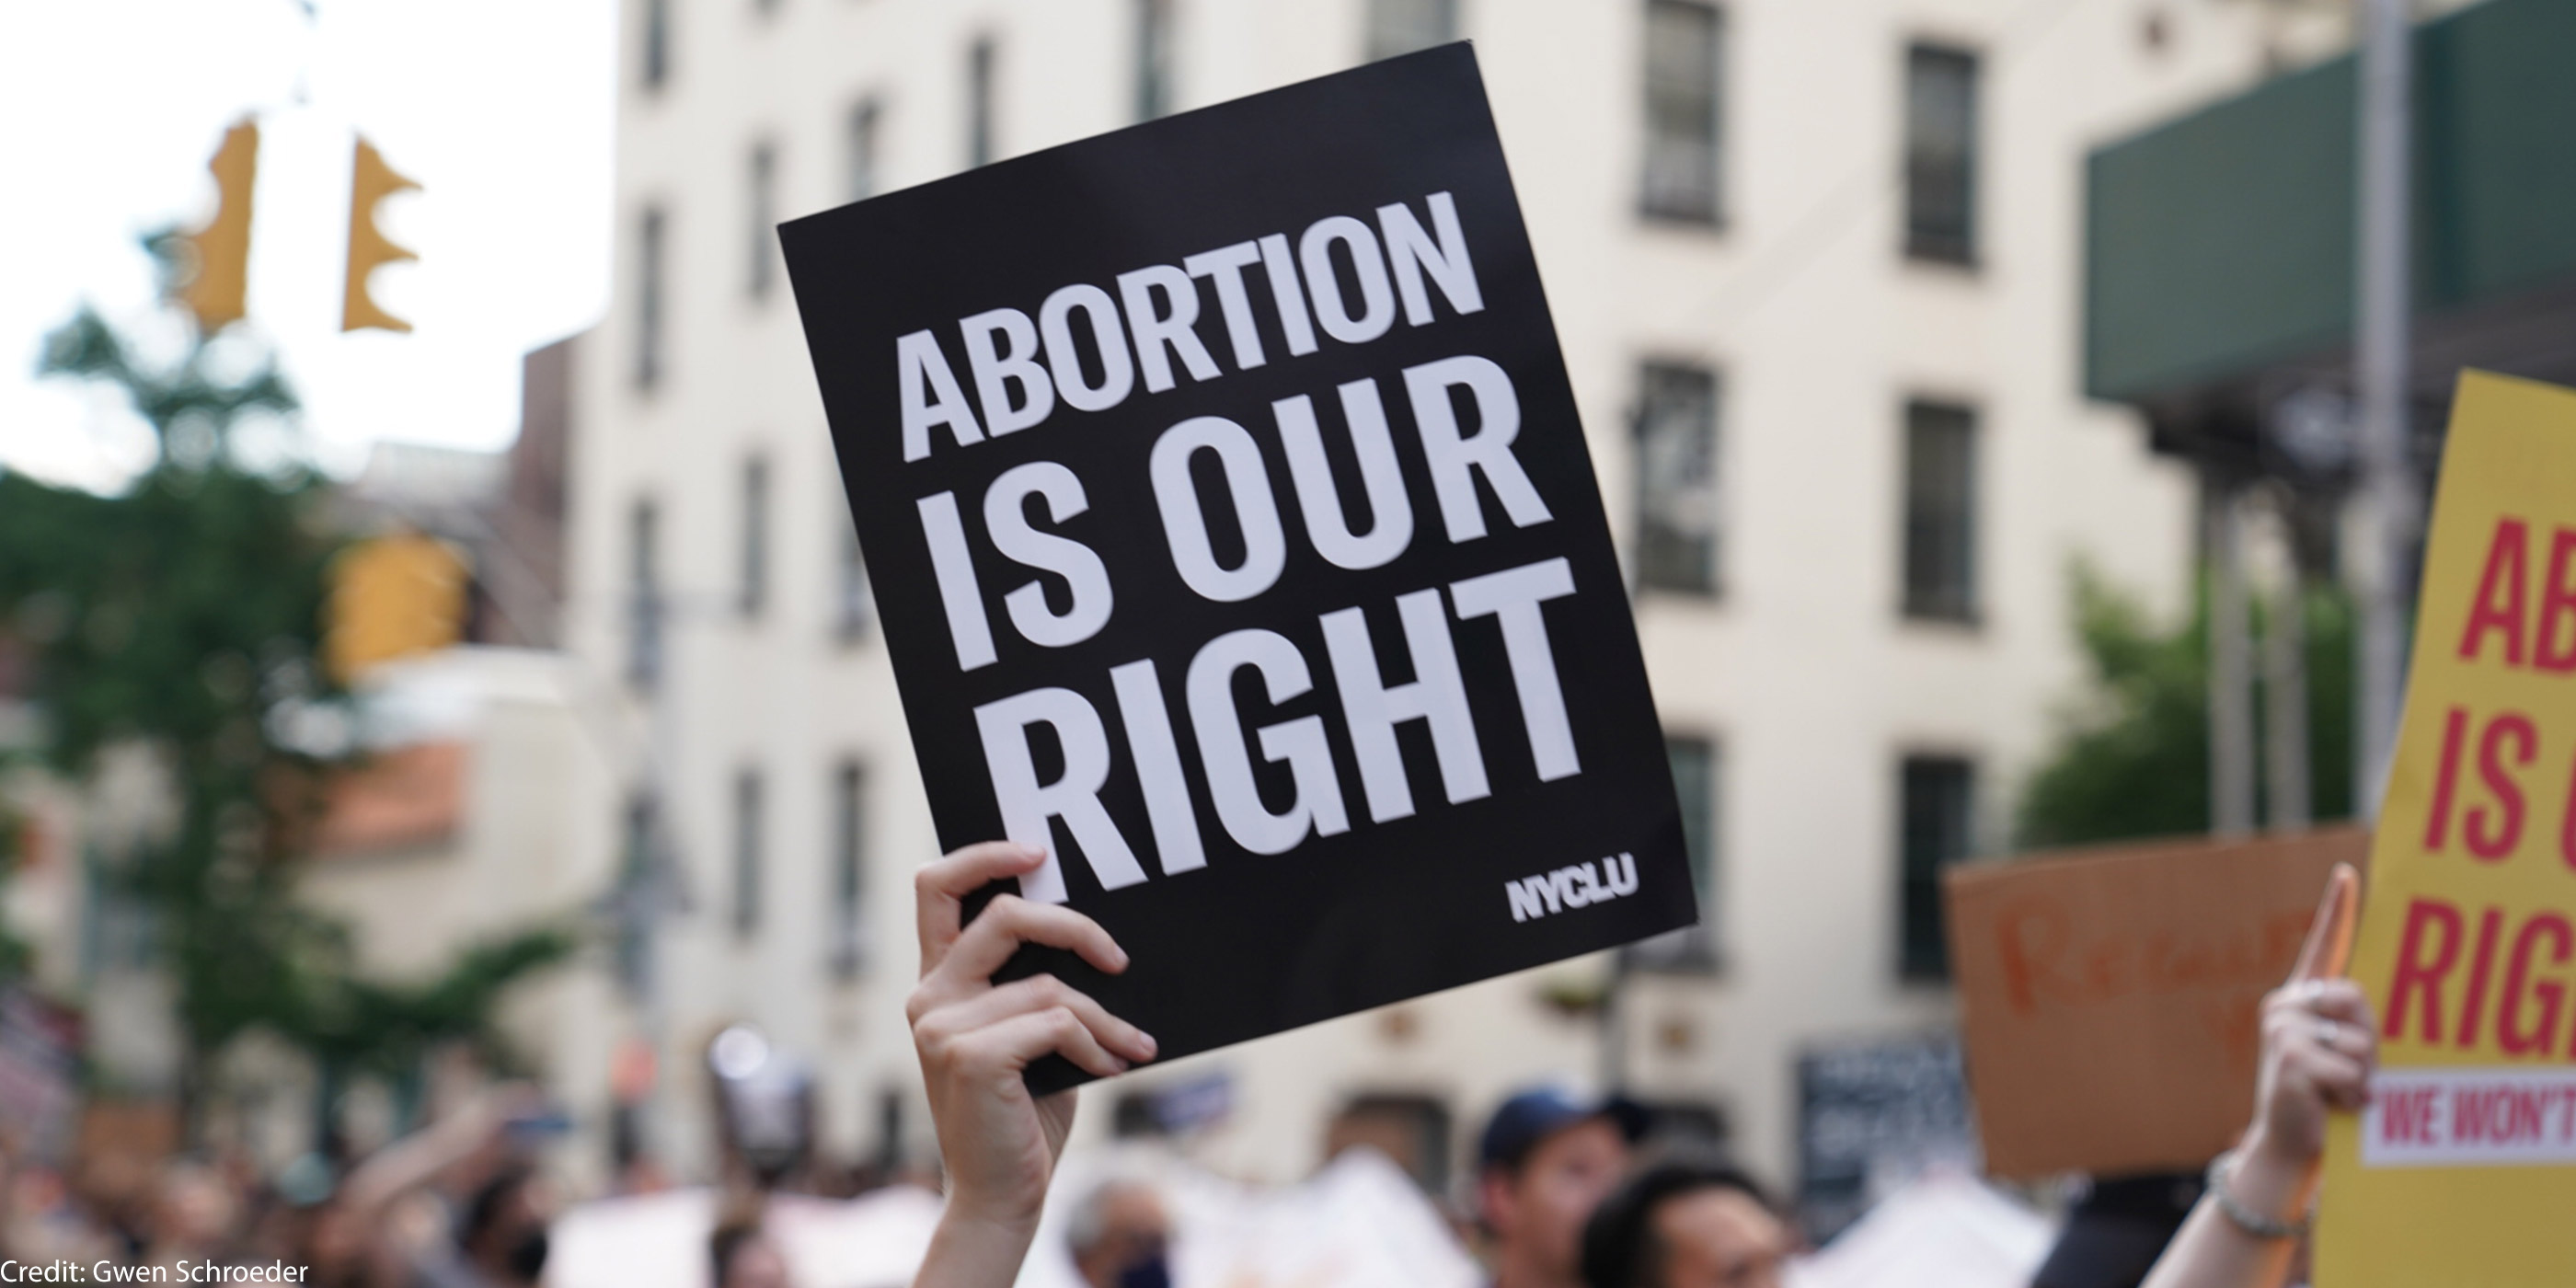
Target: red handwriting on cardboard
<point x="2051" y="958"/>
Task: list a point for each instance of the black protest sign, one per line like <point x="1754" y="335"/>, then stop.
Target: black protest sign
<point x="1234" y="536"/>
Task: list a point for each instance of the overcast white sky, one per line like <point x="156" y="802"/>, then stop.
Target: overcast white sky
<point x="501" y="109"/>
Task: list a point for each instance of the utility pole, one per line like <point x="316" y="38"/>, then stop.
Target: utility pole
<point x="2231" y="668"/>
<point x="2387" y="486"/>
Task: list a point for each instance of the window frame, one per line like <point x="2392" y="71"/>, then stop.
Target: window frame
<point x="1699" y="209"/>
<point x="1380" y="41"/>
<point x="1712" y="586"/>
<point x="863" y="149"/>
<point x="755" y="498"/>
<point x="748" y="854"/>
<point x="760" y="281"/>
<point x="652" y="296"/>
<point x="1960" y="247"/>
<point x="983" y="100"/>
<point x="1918" y="602"/>
<point x="1698" y="949"/>
<point x="1919" y="903"/>
<point x="1153" y="98"/>
<point x="646" y="604"/>
<point x="846" y="931"/>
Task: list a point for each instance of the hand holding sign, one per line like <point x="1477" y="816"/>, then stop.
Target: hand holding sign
<point x="976" y="1039"/>
<point x="2318" y="1043"/>
<point x="2318" y="1051"/>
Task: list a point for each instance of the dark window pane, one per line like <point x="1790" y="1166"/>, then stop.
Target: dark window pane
<point x="1697" y="948"/>
<point x="1682" y="140"/>
<point x="753" y="594"/>
<point x="644" y="596"/>
<point x="863" y="159"/>
<point x="850" y="598"/>
<point x="1403" y="26"/>
<point x="748" y="839"/>
<point x="1941" y="154"/>
<point x="657" y="42"/>
<point x="1677" y="509"/>
<point x="1940" y="512"/>
<point x="1937" y="829"/>
<point x="979" y="102"/>
<point x="849" y="870"/>
<point x="1153" y="58"/>
<point x="649" y="236"/>
<point x="763" y="208"/>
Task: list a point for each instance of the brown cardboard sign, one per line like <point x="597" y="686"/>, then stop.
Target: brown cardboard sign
<point x="2108" y="996"/>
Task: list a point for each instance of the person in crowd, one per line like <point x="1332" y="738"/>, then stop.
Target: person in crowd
<point x="1547" y="1158"/>
<point x="744" y="1255"/>
<point x="975" y="1038"/>
<point x="1120" y="1236"/>
<point x="194" y="1212"/>
<point x="1686" y="1221"/>
<point x="2319" y="1046"/>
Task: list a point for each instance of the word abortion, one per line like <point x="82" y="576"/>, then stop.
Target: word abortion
<point x="1160" y="308"/>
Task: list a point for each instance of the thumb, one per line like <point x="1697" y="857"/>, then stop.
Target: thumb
<point x="2329" y="944"/>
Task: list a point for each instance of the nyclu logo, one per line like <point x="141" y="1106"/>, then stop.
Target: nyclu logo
<point x="1579" y="886"/>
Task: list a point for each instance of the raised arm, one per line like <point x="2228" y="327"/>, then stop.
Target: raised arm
<point x="2319" y="1046"/>
<point x="997" y="1143"/>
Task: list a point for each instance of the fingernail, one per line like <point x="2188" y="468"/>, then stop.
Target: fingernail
<point x="1146" y="1040"/>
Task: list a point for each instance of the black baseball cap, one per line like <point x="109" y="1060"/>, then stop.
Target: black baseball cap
<point x="1530" y="1117"/>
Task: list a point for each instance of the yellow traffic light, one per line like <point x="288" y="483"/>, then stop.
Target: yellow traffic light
<point x="370" y="181"/>
<point x="218" y="274"/>
<point x="394" y="596"/>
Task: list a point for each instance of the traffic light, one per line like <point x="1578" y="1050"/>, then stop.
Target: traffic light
<point x="392" y="597"/>
<point x="370" y="181"/>
<point x="218" y="273"/>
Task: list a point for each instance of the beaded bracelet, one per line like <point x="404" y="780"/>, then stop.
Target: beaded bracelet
<point x="2245" y="1218"/>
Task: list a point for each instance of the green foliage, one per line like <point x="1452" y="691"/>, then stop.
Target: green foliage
<point x="186" y="615"/>
<point x="2133" y="759"/>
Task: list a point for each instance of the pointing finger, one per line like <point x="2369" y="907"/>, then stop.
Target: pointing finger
<point x="2329" y="944"/>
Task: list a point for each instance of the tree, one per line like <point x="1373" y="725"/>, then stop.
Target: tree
<point x="185" y="615"/>
<point x="2133" y="756"/>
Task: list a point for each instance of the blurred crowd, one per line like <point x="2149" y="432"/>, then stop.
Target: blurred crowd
<point x="462" y="1204"/>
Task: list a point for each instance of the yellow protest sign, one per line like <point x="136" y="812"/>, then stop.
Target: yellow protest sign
<point x="2463" y="1171"/>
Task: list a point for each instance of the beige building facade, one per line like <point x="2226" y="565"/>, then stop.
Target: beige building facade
<point x="1816" y="266"/>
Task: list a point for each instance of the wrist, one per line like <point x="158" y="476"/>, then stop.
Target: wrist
<point x="993" y="1216"/>
<point x="2271" y="1179"/>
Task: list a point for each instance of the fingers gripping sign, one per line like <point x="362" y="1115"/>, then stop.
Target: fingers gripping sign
<point x="2319" y="1047"/>
<point x="976" y="1039"/>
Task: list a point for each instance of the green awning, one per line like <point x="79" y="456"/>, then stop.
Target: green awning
<point x="2221" y="245"/>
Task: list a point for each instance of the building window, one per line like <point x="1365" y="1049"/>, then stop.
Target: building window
<point x="849" y="870"/>
<point x="1677" y="516"/>
<point x="1403" y="26"/>
<point x="644" y="596"/>
<point x="1697" y="948"/>
<point x="1684" y="44"/>
<point x="764" y="221"/>
<point x="850" y="597"/>
<point x="1940" y="512"/>
<point x="863" y="159"/>
<point x="752" y="595"/>
<point x="1413" y="1131"/>
<point x="657" y="43"/>
<point x="649" y="236"/>
<point x="1153" y="59"/>
<point x="979" y="101"/>
<point x="1941" y="154"/>
<point x="638" y="893"/>
<point x="748" y="840"/>
<point x="1937" y="830"/>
